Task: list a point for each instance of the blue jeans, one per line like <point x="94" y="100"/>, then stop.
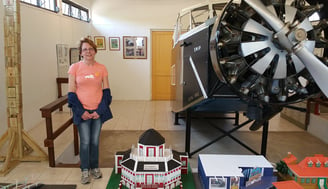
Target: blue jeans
<point x="89" y="132"/>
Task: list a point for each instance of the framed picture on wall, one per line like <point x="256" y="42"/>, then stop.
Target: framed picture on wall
<point x="74" y="55"/>
<point x="62" y="51"/>
<point x="100" y="42"/>
<point x="114" y="43"/>
<point x="134" y="47"/>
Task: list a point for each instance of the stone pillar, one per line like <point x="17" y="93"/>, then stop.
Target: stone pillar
<point x="19" y="143"/>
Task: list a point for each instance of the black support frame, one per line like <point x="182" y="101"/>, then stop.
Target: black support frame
<point x="189" y="117"/>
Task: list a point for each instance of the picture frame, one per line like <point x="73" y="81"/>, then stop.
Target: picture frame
<point x="100" y="42"/>
<point x="63" y="61"/>
<point x="134" y="47"/>
<point x="74" y="55"/>
<point x="114" y="43"/>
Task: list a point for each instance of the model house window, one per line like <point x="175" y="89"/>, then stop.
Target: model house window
<point x="326" y="164"/>
<point x="45" y="4"/>
<point x="151" y="152"/>
<point x="318" y="164"/>
<point x="310" y="163"/>
<point x="140" y="150"/>
<point x="75" y="11"/>
<point x="308" y="180"/>
<point x="314" y="181"/>
<point x="290" y="173"/>
<point x="149" y="179"/>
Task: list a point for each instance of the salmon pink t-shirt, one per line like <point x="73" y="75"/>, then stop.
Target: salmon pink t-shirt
<point x="88" y="83"/>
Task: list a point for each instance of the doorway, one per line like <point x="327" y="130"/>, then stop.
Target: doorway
<point x="162" y="44"/>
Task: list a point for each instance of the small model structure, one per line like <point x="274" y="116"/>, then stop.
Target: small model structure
<point x="235" y="171"/>
<point x="290" y="184"/>
<point x="310" y="173"/>
<point x="150" y="165"/>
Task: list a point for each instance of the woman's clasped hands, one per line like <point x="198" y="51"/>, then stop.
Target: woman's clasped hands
<point x="86" y="115"/>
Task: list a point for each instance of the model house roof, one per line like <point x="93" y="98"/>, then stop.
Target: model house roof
<point x="146" y="166"/>
<point x="230" y="165"/>
<point x="172" y="164"/>
<point x="176" y="155"/>
<point x="129" y="164"/>
<point x="314" y="166"/>
<point x="290" y="159"/>
<point x="151" y="137"/>
<point x="143" y="166"/>
<point x="125" y="154"/>
<point x="287" y="184"/>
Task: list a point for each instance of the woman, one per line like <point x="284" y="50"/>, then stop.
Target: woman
<point x="89" y="97"/>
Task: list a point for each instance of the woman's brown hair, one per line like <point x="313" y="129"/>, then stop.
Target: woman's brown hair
<point x="89" y="41"/>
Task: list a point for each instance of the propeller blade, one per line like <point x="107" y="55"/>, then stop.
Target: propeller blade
<point x="306" y="25"/>
<point x="299" y="66"/>
<point x="272" y="10"/>
<point x="266" y="14"/>
<point x="317" y="69"/>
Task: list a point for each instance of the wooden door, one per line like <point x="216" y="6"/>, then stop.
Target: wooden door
<point x="162" y="44"/>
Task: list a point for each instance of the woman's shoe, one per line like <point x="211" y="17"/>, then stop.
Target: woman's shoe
<point x="85" y="177"/>
<point x="96" y="173"/>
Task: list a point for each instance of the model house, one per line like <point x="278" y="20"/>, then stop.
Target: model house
<point x="151" y="165"/>
<point x="310" y="173"/>
<point x="290" y="184"/>
<point x="235" y="171"/>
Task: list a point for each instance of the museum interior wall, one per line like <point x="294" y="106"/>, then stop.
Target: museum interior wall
<point x="132" y="18"/>
<point x="42" y="30"/>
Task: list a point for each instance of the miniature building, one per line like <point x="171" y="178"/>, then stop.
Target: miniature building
<point x="290" y="184"/>
<point x="235" y="171"/>
<point x="310" y="173"/>
<point x="150" y="165"/>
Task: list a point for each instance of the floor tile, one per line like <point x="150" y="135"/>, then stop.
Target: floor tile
<point x="128" y="115"/>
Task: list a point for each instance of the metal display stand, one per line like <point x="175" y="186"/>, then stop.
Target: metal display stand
<point x="206" y="110"/>
<point x="189" y="116"/>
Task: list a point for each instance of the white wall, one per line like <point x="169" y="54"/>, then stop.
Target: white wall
<point x="131" y="79"/>
<point x="3" y="95"/>
<point x="42" y="30"/>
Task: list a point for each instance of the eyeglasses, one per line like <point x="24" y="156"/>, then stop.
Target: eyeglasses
<point x="89" y="49"/>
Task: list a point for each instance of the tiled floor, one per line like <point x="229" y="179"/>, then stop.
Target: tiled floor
<point x="128" y="115"/>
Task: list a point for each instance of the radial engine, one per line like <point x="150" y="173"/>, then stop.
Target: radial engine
<point x="268" y="53"/>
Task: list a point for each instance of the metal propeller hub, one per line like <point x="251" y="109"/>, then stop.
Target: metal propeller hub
<point x="300" y="35"/>
<point x="266" y="52"/>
